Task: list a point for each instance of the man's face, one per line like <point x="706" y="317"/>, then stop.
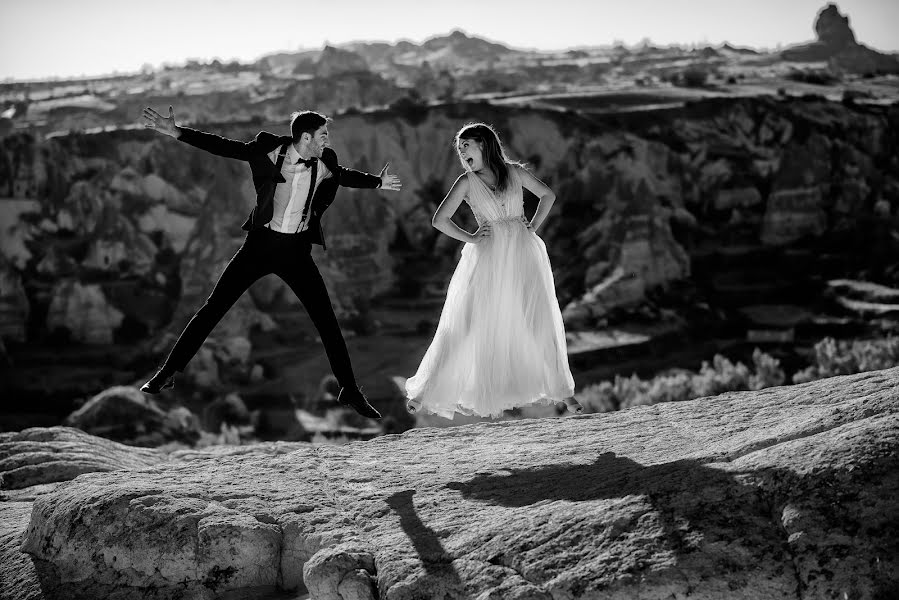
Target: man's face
<point x="318" y="142"/>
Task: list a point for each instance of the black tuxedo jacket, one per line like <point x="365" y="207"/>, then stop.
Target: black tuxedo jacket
<point x="266" y="175"/>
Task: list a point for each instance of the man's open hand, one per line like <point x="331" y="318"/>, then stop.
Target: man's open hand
<point x="389" y="181"/>
<point x="166" y="125"/>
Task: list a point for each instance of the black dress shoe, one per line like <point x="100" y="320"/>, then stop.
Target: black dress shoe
<point x="355" y="399"/>
<point x="162" y="380"/>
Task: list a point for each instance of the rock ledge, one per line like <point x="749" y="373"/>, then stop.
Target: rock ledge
<point x="788" y="492"/>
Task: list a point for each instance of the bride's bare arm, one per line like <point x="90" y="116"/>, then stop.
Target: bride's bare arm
<point x="542" y="191"/>
<point x="442" y="220"/>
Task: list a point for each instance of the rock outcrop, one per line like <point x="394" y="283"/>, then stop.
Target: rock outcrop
<point x="833" y="29"/>
<point x="836" y="43"/>
<point x="790" y="492"/>
<point x="335" y="61"/>
<point x="35" y="461"/>
<point x="18" y="577"/>
<point x="124" y="414"/>
<point x="38" y="456"/>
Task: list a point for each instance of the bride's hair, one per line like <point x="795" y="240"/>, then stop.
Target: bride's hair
<point x="492" y="149"/>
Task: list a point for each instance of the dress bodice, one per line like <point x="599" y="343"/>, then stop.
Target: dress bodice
<point x="488" y="205"/>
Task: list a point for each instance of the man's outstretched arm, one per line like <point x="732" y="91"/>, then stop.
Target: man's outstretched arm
<point x="358" y="179"/>
<point x="215" y="144"/>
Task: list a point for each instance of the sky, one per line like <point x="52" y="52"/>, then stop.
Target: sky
<point x="71" y="38"/>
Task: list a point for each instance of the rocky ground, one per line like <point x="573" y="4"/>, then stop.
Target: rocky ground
<point x="784" y="493"/>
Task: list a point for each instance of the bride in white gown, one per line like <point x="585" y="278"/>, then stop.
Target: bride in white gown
<point x="500" y="342"/>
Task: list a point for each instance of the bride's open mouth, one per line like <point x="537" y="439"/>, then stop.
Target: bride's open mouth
<point x="470" y="161"/>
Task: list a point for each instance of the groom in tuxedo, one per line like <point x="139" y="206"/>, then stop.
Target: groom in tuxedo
<point x="296" y="178"/>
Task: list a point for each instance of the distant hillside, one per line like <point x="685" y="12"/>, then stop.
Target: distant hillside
<point x="362" y="76"/>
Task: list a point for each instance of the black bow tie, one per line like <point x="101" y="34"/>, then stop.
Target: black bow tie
<point x="307" y="161"/>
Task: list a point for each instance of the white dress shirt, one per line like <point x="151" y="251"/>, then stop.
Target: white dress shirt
<point x="290" y="197"/>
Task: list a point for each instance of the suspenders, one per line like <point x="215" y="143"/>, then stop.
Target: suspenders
<point x="280" y="162"/>
<point x="312" y="179"/>
<point x="281" y="156"/>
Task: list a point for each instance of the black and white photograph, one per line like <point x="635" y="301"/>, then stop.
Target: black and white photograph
<point x="472" y="300"/>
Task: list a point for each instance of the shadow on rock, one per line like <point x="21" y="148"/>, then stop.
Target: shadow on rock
<point x="686" y="495"/>
<point x="610" y="476"/>
<point x="435" y="559"/>
<point x="828" y="528"/>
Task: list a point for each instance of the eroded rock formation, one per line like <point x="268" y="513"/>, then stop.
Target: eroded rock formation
<point x="836" y="44"/>
<point x="156" y="221"/>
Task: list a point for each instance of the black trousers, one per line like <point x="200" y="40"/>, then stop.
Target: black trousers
<point x="288" y="256"/>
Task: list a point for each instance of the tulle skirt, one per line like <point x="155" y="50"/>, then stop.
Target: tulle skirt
<point x="500" y="342"/>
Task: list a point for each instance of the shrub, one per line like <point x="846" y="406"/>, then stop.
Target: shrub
<point x="670" y="388"/>
<point x="815" y="77"/>
<point x="693" y="77"/>
<point x="845" y="357"/>
<point x="721" y="375"/>
<point x="600" y="397"/>
<point x="767" y="371"/>
<point x="831" y="357"/>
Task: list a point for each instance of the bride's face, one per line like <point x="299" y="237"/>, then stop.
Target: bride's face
<point x="471" y="154"/>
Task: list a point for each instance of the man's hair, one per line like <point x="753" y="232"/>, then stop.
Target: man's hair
<point x="306" y="121"/>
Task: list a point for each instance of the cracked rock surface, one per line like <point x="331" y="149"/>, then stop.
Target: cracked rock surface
<point x="788" y="492"/>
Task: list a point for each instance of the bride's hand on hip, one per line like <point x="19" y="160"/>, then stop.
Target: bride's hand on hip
<point x="527" y="223"/>
<point x="483" y="232"/>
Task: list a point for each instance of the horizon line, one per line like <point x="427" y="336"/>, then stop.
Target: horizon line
<point x="615" y="43"/>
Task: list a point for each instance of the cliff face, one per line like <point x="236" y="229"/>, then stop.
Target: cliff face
<point x="117" y="235"/>
<point x="786" y="493"/>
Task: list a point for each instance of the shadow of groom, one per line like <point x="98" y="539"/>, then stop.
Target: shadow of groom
<point x="610" y="476"/>
<point x="681" y="527"/>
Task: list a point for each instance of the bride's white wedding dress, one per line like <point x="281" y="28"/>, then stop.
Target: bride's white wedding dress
<point x="500" y="342"/>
